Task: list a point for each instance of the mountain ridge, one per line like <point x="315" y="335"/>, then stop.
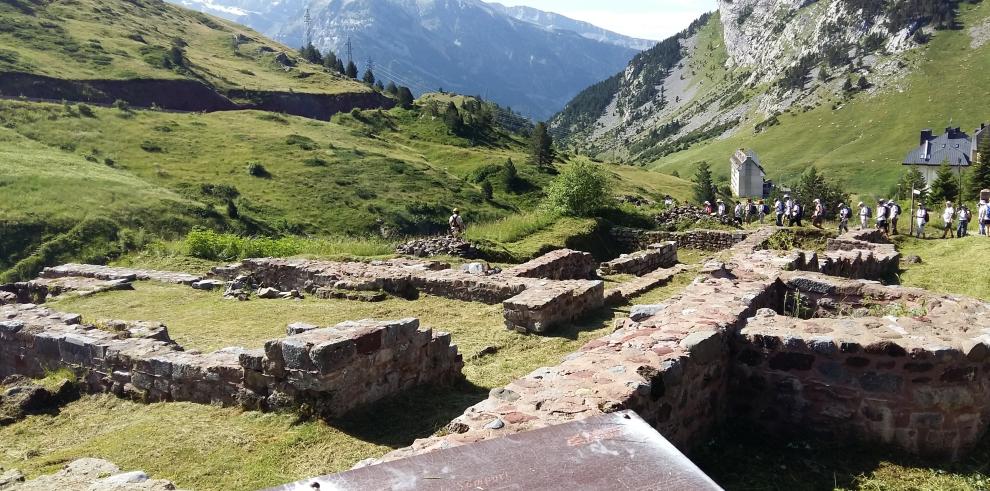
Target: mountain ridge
<point x="464" y="46"/>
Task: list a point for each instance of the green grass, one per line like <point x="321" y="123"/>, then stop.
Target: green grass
<point x="948" y="266"/>
<point x="123" y="40"/>
<point x="863" y="142"/>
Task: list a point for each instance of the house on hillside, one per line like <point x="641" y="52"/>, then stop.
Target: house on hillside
<point x="953" y="147"/>
<point x="981" y="135"/>
<point x="748" y="176"/>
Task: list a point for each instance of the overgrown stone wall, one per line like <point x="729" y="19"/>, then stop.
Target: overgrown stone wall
<point x="656" y="256"/>
<point x="329" y="370"/>
<point x="632" y="239"/>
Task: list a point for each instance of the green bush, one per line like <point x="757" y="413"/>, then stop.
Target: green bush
<point x="256" y="169"/>
<point x="92" y="240"/>
<point x="580" y="190"/>
<point x="210" y="245"/>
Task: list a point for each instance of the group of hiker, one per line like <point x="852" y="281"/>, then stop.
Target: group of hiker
<point x="885" y="217"/>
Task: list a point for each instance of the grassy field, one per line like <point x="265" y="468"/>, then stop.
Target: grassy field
<point x="948" y="266"/>
<point x="122" y="40"/>
<point x="863" y="140"/>
<point x="208" y="448"/>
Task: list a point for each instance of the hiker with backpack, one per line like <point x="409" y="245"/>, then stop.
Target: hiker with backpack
<point x="762" y="210"/>
<point x="964" y="216"/>
<point x="738" y="213"/>
<point x="456" y="223"/>
<point x="797" y="213"/>
<point x="844" y="214"/>
<point x="895" y="213"/>
<point x="882" y="215"/>
<point x="921" y="220"/>
<point x="865" y="213"/>
<point x="720" y="207"/>
<point x="948" y="217"/>
<point x="778" y="208"/>
<point x="749" y="211"/>
<point x="818" y="216"/>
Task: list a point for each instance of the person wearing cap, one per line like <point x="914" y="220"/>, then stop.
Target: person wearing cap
<point x="720" y="207"/>
<point x="778" y="208"/>
<point x="864" y="216"/>
<point x="964" y="217"/>
<point x="844" y="214"/>
<point x="761" y="211"/>
<point x="818" y="215"/>
<point x="738" y="212"/>
<point x="948" y="217"/>
<point x="921" y="218"/>
<point x="895" y="214"/>
<point x="456" y="223"/>
<point x="882" y="214"/>
<point x="708" y="208"/>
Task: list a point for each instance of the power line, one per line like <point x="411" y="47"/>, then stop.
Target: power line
<point x="350" y="50"/>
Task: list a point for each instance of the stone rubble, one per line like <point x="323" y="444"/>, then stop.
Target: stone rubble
<point x="446" y="245"/>
<point x="89" y="474"/>
<point x="41" y="290"/>
<point x="126" y="274"/>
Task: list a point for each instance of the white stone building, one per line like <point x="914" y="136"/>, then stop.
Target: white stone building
<point x="748" y="176"/>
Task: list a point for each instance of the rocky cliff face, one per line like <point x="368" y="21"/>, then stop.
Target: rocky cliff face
<point x="743" y="67"/>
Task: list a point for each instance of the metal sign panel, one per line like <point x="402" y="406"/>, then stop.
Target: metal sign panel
<point x="612" y="452"/>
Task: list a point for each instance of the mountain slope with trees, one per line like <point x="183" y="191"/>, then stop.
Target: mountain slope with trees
<point x="799" y="83"/>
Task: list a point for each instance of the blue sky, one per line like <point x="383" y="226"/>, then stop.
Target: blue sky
<point x="649" y="19"/>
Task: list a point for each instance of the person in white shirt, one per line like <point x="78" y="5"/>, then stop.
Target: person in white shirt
<point x="948" y="216"/>
<point x="720" y="208"/>
<point x="922" y="219"/>
<point x="456" y="223"/>
<point x="981" y="217"/>
<point x="738" y="211"/>
<point x="844" y="213"/>
<point x="778" y="208"/>
<point x="864" y="216"/>
<point x="894" y="214"/>
<point x="964" y="216"/>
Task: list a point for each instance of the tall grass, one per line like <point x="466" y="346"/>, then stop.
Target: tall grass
<point x="210" y="245"/>
<point x="512" y="228"/>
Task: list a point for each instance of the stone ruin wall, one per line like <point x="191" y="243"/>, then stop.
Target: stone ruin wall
<point x="632" y="239"/>
<point x="332" y="370"/>
<point x="530" y="304"/>
<point x="656" y="256"/>
<point x="680" y="365"/>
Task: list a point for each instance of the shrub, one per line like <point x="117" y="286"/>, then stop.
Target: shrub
<point x="86" y="111"/>
<point x="122" y="105"/>
<point x="580" y="190"/>
<point x="213" y="246"/>
<point x="151" y="147"/>
<point x="315" y="162"/>
<point x="256" y="169"/>
<point x="302" y="142"/>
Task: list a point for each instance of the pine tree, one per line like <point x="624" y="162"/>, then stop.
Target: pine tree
<point x="511" y="176"/>
<point x="351" y="70"/>
<point x="330" y="60"/>
<point x="379" y="86"/>
<point x="486" y="189"/>
<point x="541" y="146"/>
<point x="704" y="187"/>
<point x="452" y="118"/>
<point x="339" y="67"/>
<point x="369" y="77"/>
<point x="813" y="185"/>
<point x="912" y="180"/>
<point x="848" y="85"/>
<point x="391" y="88"/>
<point x="979" y="177"/>
<point x="863" y="83"/>
<point x="405" y="98"/>
<point x="946" y="185"/>
<point x="311" y="54"/>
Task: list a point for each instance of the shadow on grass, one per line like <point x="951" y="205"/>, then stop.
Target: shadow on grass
<point x="398" y="421"/>
<point x="591" y="322"/>
<point x="742" y="458"/>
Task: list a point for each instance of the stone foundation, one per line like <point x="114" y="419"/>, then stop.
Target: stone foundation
<point x="686" y="365"/>
<point x="531" y="304"/>
<point x="656" y="256"/>
<point x="41" y="289"/>
<point x="329" y="370"/>
<point x="126" y="274"/>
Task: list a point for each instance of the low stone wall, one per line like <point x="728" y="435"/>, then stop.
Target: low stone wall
<point x="539" y="309"/>
<point x="331" y="370"/>
<point x="531" y="304"/>
<point x="41" y="289"/>
<point x="886" y="380"/>
<point x="656" y="256"/>
<point x="676" y="364"/>
<point x="563" y="264"/>
<point x="126" y="274"/>
<point x="708" y="240"/>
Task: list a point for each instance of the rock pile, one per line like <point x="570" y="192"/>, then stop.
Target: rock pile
<point x="677" y="216"/>
<point x="20" y="396"/>
<point x="446" y="245"/>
